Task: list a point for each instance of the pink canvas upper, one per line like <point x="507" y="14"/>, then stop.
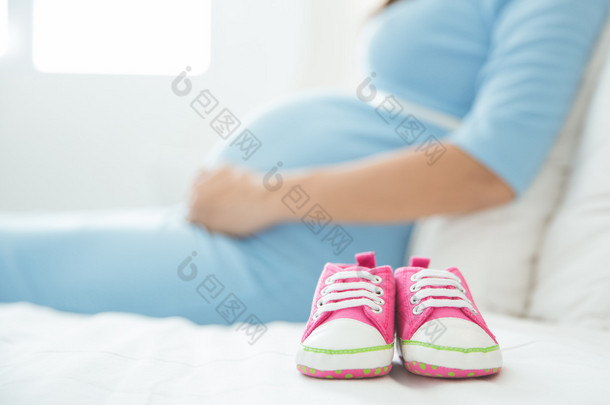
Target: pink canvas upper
<point x="384" y="321"/>
<point x="408" y="323"/>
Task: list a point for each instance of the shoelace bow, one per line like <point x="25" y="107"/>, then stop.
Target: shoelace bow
<point x="442" y="295"/>
<point x="350" y="294"/>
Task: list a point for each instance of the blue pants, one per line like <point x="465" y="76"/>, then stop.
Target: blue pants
<point x="152" y="262"/>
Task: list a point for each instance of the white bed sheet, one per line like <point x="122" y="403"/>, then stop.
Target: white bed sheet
<point x="53" y="357"/>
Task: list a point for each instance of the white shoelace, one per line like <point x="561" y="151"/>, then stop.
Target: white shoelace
<point x="350" y="294"/>
<point x="452" y="297"/>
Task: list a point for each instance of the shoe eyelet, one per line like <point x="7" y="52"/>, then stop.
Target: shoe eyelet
<point x="474" y="311"/>
<point x="379" y="292"/>
<point x="379" y="301"/>
<point x="414" y="278"/>
<point x="417" y="310"/>
<point x="414" y="301"/>
<point x="463" y="290"/>
<point x="319" y="304"/>
<point x="323" y="291"/>
<point x="377" y="280"/>
<point x="315" y="316"/>
<point x="377" y="310"/>
<point x="328" y="281"/>
<point x="414" y="288"/>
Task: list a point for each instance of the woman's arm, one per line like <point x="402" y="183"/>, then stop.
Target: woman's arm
<point x="401" y="186"/>
<point x="393" y="187"/>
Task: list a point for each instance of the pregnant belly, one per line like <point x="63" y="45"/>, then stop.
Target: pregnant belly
<point x="314" y="130"/>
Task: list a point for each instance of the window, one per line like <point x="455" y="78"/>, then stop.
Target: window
<point x="3" y="26"/>
<point x="155" y="37"/>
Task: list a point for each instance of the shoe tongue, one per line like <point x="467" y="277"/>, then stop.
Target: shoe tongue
<point x="366" y="259"/>
<point x="365" y="262"/>
<point x="450" y="312"/>
<point x="419" y="262"/>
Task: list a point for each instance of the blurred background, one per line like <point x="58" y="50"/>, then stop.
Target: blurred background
<point x="88" y="119"/>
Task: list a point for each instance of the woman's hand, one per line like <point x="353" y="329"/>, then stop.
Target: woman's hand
<point x="232" y="201"/>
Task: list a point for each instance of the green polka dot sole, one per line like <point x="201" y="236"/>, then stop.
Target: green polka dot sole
<point x="344" y="374"/>
<point x="430" y="370"/>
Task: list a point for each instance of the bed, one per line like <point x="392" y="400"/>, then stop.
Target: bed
<point x="51" y="357"/>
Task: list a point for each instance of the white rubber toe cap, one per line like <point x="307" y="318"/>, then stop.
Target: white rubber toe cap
<point x="344" y="333"/>
<point x="452" y="343"/>
<point x="454" y="332"/>
<point x="358" y="345"/>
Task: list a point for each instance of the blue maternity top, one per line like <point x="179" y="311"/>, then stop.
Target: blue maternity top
<point x="508" y="68"/>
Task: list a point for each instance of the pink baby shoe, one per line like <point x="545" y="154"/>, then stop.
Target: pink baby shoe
<point x="350" y="333"/>
<point x="440" y="330"/>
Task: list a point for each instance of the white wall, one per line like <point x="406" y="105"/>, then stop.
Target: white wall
<point x="93" y="142"/>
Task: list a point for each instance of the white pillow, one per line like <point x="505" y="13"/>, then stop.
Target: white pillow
<point x="497" y="249"/>
<point x="573" y="275"/>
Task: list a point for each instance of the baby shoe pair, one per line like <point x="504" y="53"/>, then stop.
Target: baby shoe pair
<point x="357" y="307"/>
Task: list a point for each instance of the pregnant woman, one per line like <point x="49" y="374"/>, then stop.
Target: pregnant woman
<point x="463" y="102"/>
